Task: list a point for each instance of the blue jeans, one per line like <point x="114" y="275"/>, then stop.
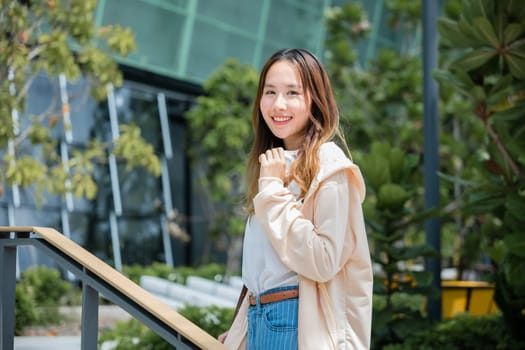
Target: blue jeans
<point x="273" y="326"/>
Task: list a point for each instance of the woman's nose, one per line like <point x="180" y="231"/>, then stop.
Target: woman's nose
<point x="280" y="101"/>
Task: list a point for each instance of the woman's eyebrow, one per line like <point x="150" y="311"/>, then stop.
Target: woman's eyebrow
<point x="296" y="86"/>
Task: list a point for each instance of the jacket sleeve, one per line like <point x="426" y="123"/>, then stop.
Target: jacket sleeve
<point x="317" y="248"/>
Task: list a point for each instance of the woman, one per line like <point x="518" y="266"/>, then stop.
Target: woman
<point x="306" y="262"/>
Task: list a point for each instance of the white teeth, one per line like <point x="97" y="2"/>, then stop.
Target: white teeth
<point x="281" y="119"/>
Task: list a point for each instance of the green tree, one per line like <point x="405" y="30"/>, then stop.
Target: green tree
<point x="221" y="133"/>
<point x="59" y="39"/>
<point x="383" y="101"/>
<point x="400" y="290"/>
<point x="486" y="41"/>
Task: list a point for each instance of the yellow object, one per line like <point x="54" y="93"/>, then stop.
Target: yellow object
<point x="474" y="297"/>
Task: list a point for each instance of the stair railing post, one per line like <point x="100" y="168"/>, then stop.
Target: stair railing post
<point x="7" y="296"/>
<point x="89" y="331"/>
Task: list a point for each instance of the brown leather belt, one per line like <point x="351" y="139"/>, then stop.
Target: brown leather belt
<point x="277" y="296"/>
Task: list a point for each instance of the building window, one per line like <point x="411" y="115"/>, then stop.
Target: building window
<point x="131" y="219"/>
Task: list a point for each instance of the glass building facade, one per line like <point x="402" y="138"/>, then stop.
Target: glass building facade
<point x="188" y="39"/>
<point x="180" y="43"/>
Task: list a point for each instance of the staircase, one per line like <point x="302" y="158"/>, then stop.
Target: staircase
<point x="97" y="277"/>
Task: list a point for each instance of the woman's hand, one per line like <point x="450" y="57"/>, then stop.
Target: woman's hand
<point x="273" y="163"/>
<point x="222" y="337"/>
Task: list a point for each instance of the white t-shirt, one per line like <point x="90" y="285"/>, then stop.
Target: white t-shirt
<point x="261" y="267"/>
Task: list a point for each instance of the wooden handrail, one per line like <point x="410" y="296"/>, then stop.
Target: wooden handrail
<point x="124" y="285"/>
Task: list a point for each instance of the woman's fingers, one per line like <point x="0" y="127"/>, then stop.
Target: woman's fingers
<point x="269" y="155"/>
<point x="278" y="153"/>
<point x="273" y="163"/>
<point x="272" y="154"/>
<point x="222" y="337"/>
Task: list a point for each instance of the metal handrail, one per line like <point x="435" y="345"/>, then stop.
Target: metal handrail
<point x="96" y="277"/>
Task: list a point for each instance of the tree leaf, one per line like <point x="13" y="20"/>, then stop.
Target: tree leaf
<point x="512" y="32"/>
<point x="502" y="84"/>
<point x="386" y="238"/>
<point x="412" y="252"/>
<point x="516" y="65"/>
<point x="516" y="8"/>
<point x="397" y="164"/>
<point x="498" y="102"/>
<point x="515" y="204"/>
<point x="517" y="51"/>
<point x="486" y="29"/>
<point x="422" y="278"/>
<point x="457" y="180"/>
<point x="392" y="196"/>
<point x="510" y="114"/>
<point x="483" y="203"/>
<point x="475" y="58"/>
<point x="459" y="79"/>
<point x="376" y="172"/>
<point x="476" y="8"/>
<point x="452" y="35"/>
<point x="477" y="39"/>
<point x="496" y="251"/>
<point x="514" y="269"/>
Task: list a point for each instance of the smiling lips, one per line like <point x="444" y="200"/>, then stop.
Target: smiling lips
<point x="281" y="119"/>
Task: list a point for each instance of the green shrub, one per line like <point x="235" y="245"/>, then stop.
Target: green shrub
<point x="133" y="335"/>
<point x="39" y="292"/>
<point x="25" y="310"/>
<point x="157" y="269"/>
<point x="44" y="285"/>
<point x="213" y="319"/>
<point x="463" y="332"/>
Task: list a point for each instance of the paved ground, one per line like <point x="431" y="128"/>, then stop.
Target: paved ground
<point x="67" y="335"/>
<point x="46" y="343"/>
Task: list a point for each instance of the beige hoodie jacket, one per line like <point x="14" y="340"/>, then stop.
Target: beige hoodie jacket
<point x="325" y="242"/>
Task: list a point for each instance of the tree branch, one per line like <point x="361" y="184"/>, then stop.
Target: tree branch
<point x="25" y="88"/>
<point x="35" y="52"/>
<point x="40" y="118"/>
<point x="508" y="159"/>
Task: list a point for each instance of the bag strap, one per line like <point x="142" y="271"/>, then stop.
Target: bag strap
<point x="244" y="290"/>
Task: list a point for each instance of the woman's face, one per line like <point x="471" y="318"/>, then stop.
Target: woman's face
<point x="285" y="105"/>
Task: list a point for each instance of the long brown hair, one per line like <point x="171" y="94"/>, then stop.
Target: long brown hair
<point x="323" y="125"/>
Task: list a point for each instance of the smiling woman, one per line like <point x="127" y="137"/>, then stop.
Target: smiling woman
<point x="306" y="264"/>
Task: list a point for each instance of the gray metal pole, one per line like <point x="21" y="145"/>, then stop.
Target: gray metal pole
<point x="89" y="333"/>
<point x="7" y="296"/>
<point x="431" y="146"/>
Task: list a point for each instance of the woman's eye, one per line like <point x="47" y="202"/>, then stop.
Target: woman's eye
<point x="293" y="92"/>
<point x="269" y="92"/>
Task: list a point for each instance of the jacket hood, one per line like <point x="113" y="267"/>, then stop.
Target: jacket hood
<point x="333" y="159"/>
